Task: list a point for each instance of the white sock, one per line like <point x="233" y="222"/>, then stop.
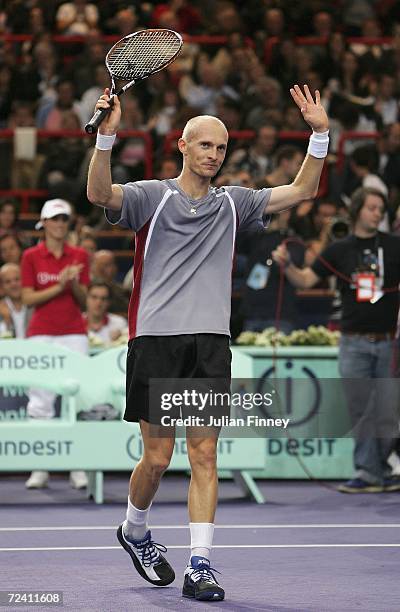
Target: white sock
<point x="201" y="536"/>
<point x="135" y="526"/>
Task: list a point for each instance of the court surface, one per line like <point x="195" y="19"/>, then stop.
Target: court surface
<point x="308" y="548"/>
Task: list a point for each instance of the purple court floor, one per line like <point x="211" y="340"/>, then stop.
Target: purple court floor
<point x="307" y="549"/>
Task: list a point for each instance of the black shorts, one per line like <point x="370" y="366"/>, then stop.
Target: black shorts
<point x="186" y="356"/>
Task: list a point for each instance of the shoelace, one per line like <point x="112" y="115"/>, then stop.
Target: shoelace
<point x="150" y="551"/>
<point x="204" y="572"/>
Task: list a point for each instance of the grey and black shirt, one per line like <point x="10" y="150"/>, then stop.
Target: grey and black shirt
<point x="183" y="254"/>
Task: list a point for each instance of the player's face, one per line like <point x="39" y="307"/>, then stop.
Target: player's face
<point x="97" y="301"/>
<point x="371" y="213"/>
<point x="57" y="227"/>
<point x="205" y="151"/>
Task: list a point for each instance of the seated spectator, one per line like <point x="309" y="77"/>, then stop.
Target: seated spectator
<point x="77" y="17"/>
<point x="104" y="268"/>
<point x="10" y="249"/>
<point x="60" y="172"/>
<point x="92" y="94"/>
<point x="202" y="95"/>
<point x="288" y="160"/>
<point x="90" y="245"/>
<point x="187" y="17"/>
<point x="257" y="158"/>
<point x="386" y="104"/>
<point x="8" y="217"/>
<point x="50" y="116"/>
<point x="14" y="313"/>
<point x="103" y="327"/>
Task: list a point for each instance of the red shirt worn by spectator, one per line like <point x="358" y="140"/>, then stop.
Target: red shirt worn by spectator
<point x="61" y="315"/>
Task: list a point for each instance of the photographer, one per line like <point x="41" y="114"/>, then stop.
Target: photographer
<point x="367" y="263"/>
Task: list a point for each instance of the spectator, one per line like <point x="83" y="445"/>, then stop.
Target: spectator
<point x="77" y="17"/>
<point x="103" y="327"/>
<point x="51" y="116"/>
<point x="314" y="224"/>
<point x="10" y="248"/>
<point x="15" y="314"/>
<point x="54" y="279"/>
<point x="322" y="22"/>
<point x="386" y="105"/>
<point x="259" y="300"/>
<point x="368" y="325"/>
<point x="288" y="160"/>
<point x="89" y="244"/>
<point x="203" y="96"/>
<point x="257" y="159"/>
<point x="92" y="94"/>
<point x="104" y="268"/>
<point x="60" y="173"/>
<point x="8" y="217"/>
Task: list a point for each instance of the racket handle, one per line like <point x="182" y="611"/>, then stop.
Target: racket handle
<point x="97" y="118"/>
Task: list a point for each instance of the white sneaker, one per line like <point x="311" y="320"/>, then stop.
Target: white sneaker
<point x="37" y="480"/>
<point x="78" y="480"/>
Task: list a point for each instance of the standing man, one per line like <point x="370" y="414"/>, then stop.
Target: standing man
<point x="367" y="263"/>
<point x="55" y="276"/>
<point x="180" y="307"/>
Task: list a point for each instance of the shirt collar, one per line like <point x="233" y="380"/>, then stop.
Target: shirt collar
<point x="44" y="251"/>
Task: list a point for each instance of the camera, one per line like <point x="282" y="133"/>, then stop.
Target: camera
<point x="339" y="228"/>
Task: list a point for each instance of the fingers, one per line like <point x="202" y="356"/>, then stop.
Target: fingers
<point x="302" y="99"/>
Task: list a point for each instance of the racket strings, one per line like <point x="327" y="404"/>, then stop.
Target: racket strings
<point x="139" y="56"/>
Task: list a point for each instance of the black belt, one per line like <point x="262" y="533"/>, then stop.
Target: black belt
<point x="373" y="336"/>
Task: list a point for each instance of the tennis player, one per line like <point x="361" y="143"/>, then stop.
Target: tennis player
<point x="180" y="307"/>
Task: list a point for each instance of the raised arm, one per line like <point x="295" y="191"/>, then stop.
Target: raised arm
<point x="305" y="185"/>
<point x="100" y="190"/>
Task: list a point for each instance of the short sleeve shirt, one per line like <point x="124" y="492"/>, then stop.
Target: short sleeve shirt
<point x="40" y="269"/>
<point x="183" y="254"/>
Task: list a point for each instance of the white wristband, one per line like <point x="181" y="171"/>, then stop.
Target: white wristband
<point x="105" y="142"/>
<point x="318" y="145"/>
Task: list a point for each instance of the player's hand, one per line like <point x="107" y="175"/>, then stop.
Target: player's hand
<point x="110" y="124"/>
<point x="312" y="110"/>
<point x="281" y="255"/>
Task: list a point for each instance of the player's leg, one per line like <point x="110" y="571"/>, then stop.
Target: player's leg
<point x="134" y="534"/>
<point x="200" y="582"/>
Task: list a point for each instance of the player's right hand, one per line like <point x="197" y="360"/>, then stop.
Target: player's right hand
<point x="281" y="255"/>
<point x="111" y="122"/>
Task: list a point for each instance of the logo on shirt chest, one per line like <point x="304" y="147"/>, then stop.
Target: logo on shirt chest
<point x="44" y="278"/>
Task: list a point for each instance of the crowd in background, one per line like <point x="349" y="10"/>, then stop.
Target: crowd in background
<point x="244" y="80"/>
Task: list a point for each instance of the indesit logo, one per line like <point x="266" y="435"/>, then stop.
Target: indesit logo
<point x="300" y="397"/>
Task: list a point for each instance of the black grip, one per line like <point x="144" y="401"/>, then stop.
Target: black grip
<point x="97" y="118"/>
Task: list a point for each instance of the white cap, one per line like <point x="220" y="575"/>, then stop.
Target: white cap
<point x="52" y="208"/>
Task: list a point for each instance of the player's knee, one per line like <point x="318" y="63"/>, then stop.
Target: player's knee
<point x="203" y="457"/>
<point x="156" y="464"/>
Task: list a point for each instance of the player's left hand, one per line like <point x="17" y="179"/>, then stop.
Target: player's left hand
<point x="312" y="110"/>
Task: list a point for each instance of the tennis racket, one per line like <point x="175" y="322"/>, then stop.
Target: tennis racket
<point x="134" y="58"/>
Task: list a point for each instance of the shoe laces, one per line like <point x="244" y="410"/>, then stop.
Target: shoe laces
<point x="149" y="551"/>
<point x="204" y="572"/>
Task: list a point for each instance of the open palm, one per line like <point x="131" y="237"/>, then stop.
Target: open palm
<point x="312" y="110"/>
